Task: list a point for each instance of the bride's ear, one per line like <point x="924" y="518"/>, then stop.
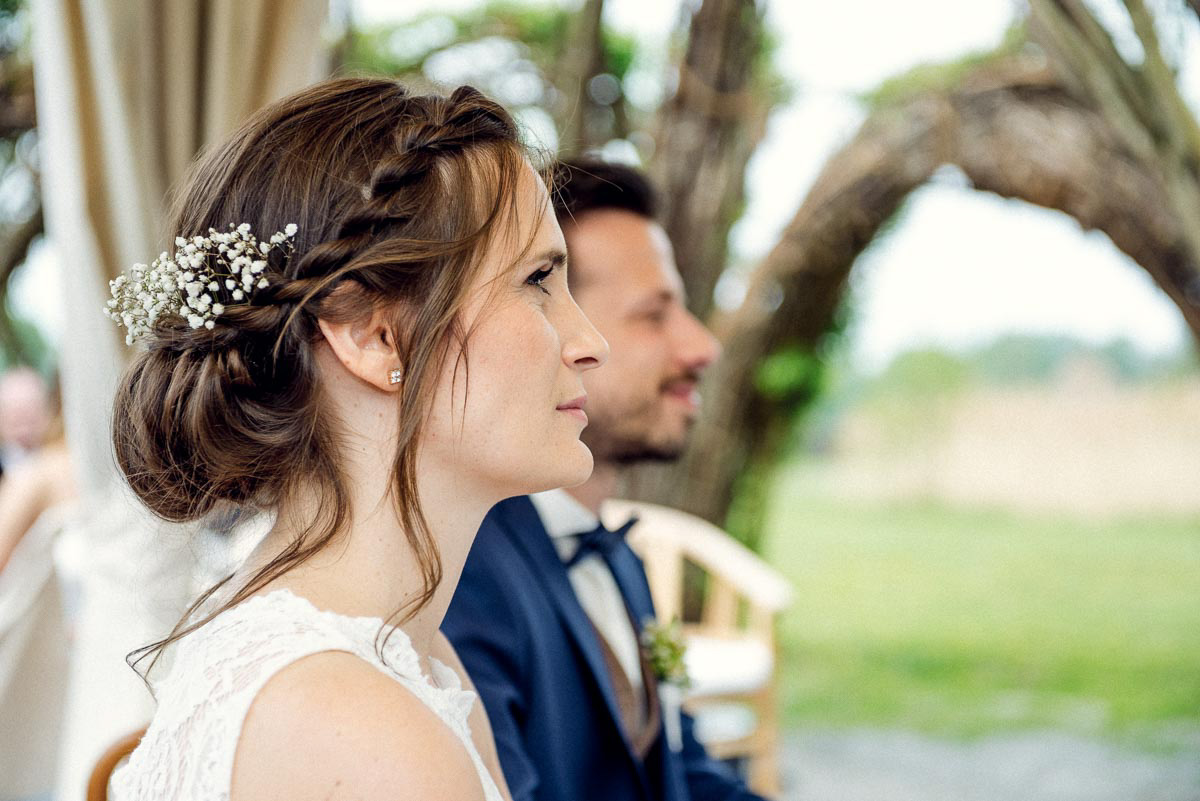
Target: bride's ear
<point x="366" y="348"/>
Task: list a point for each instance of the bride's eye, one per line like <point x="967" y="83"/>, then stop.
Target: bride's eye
<point x="539" y="277"/>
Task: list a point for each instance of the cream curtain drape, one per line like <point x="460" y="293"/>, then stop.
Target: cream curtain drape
<point x="128" y="91"/>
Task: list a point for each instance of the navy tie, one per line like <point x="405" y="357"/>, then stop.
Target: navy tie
<point x="601" y="541"/>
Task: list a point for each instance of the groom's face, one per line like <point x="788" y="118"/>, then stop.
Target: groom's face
<point x="642" y="403"/>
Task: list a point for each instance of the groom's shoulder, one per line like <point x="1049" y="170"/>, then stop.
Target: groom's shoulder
<point x="497" y="543"/>
<point x="505" y="526"/>
<point x="499" y="571"/>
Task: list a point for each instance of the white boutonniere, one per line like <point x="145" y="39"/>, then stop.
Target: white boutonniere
<point x="664" y="648"/>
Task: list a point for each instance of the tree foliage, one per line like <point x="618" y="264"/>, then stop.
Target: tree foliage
<point x="20" y="213"/>
<point x="518" y="53"/>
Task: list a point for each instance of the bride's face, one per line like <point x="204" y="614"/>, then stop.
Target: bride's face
<point x="503" y="419"/>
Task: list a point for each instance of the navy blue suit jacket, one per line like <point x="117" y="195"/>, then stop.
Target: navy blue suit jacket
<point x="538" y="666"/>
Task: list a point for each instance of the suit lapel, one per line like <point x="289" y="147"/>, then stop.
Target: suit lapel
<point x="631" y="580"/>
<point x="519" y="517"/>
<point x="630" y="576"/>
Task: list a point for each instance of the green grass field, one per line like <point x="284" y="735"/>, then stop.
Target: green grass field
<point x="962" y="622"/>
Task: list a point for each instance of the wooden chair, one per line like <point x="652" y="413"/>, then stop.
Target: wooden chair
<point x="97" y="789"/>
<point x="732" y="653"/>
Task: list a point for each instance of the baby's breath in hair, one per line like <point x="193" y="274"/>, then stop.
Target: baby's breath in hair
<point x="206" y="274"/>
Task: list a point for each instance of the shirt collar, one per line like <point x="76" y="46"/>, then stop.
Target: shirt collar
<point x="562" y="515"/>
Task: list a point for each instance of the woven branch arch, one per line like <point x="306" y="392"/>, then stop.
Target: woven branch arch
<point x="1014" y="129"/>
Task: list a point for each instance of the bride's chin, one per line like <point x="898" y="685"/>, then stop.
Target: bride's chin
<point x="570" y="469"/>
<point x="580" y="467"/>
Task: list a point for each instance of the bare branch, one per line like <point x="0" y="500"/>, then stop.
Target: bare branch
<point x="707" y="133"/>
<point x="1152" y="118"/>
<point x="17" y="111"/>
<point x="1093" y="69"/>
<point x="1180" y="128"/>
<point x="1101" y="43"/>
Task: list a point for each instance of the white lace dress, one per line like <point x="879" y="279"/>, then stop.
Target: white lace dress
<point x="187" y="753"/>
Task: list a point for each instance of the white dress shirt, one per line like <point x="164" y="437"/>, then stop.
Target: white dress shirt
<point x="594" y="585"/>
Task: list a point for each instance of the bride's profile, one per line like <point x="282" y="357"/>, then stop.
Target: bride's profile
<point x="363" y="330"/>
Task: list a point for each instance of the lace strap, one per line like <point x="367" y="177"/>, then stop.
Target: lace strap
<point x="219" y="670"/>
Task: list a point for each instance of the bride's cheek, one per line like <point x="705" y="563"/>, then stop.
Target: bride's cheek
<point x="531" y="339"/>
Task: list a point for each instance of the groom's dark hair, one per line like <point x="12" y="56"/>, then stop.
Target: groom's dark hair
<point x="589" y="184"/>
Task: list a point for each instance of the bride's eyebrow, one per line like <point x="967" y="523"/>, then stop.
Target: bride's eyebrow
<point x="556" y="257"/>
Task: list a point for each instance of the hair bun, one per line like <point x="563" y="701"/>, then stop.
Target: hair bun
<point x="213" y="433"/>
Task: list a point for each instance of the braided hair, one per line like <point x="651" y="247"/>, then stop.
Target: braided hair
<point x="395" y="196"/>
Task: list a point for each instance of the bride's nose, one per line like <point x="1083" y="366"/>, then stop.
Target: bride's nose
<point x="583" y="347"/>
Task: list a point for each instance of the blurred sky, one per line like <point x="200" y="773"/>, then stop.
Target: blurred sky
<point x="963" y="266"/>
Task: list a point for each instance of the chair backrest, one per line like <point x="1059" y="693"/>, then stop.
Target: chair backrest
<point x="666" y="538"/>
<point x="97" y="789"/>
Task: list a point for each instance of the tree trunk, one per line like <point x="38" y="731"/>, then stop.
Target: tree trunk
<point x="582" y="59"/>
<point x="1015" y="130"/>
<point x="707" y="132"/>
<point x="17" y="113"/>
<point x="792" y="299"/>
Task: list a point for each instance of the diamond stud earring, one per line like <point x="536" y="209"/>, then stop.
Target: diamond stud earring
<point x="396" y="375"/>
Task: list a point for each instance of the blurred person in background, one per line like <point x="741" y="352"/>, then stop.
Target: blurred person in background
<point x="548" y="616"/>
<point x="35" y="468"/>
<point x="41" y="482"/>
<point x="24" y="415"/>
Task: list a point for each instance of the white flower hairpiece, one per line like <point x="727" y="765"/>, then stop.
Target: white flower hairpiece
<point x="205" y="274"/>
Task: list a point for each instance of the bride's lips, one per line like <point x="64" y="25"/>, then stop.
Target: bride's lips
<point x="575" y="408"/>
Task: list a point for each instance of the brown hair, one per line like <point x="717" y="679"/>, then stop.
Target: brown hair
<point x="396" y="196"/>
<point x="591" y="184"/>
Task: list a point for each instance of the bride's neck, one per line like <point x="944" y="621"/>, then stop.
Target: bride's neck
<point x="370" y="569"/>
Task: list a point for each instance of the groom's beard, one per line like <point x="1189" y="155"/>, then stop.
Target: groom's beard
<point x="645" y="429"/>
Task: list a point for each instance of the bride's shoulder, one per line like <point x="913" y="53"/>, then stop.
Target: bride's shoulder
<point x="262" y="633"/>
<point x="372" y="735"/>
<point x="214" y="676"/>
